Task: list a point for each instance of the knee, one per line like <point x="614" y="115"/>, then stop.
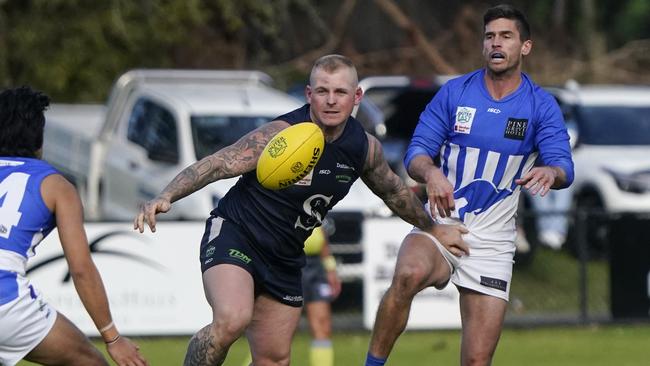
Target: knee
<point x="276" y="357"/>
<point x="409" y="280"/>
<point x="230" y="325"/>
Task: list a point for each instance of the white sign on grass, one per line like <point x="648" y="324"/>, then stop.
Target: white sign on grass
<point x="431" y="309"/>
<point x="153" y="281"/>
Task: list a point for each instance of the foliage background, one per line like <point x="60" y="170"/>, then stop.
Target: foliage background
<point x="74" y="49"/>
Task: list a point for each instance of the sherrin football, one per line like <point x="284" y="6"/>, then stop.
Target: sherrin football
<point x="290" y="155"/>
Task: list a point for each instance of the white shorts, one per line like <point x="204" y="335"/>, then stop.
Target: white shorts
<point x="25" y="321"/>
<point x="490" y="275"/>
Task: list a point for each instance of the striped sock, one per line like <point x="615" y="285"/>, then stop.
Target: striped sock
<point x="321" y="353"/>
<point x="374" y="361"/>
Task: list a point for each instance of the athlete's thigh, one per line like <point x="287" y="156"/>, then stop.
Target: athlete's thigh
<point x="418" y="254"/>
<point x="65" y="344"/>
<point x="272" y="328"/>
<point x="229" y="290"/>
<point x="482" y="320"/>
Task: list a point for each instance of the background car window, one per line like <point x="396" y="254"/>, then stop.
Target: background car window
<point x="154" y="128"/>
<point x="211" y="133"/>
<point x="609" y="125"/>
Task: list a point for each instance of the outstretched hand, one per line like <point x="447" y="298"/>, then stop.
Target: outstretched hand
<point x="126" y="353"/>
<point x="451" y="237"/>
<point x="538" y="180"/>
<point x="148" y="211"/>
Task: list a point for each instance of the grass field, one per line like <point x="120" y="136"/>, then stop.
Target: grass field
<point x="548" y="286"/>
<point x="554" y="346"/>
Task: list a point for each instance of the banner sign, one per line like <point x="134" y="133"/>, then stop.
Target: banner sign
<point x="431" y="308"/>
<point x="153" y="281"/>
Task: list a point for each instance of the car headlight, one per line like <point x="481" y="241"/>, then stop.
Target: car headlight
<point x="637" y="182"/>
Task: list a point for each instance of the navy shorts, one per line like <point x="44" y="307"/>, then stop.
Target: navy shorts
<point x="314" y="280"/>
<point x="226" y="243"/>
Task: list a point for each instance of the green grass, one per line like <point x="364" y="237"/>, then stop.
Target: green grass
<point x="557" y="346"/>
<point x="550" y="285"/>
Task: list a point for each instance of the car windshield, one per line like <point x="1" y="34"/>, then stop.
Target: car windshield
<point x="614" y="125"/>
<point x="399" y="107"/>
<point x="211" y="133"/>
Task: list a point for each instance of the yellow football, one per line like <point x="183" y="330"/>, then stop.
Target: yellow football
<point x="290" y="155"/>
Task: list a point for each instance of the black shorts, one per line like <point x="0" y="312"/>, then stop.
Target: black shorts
<point x="225" y="243"/>
<point x="315" y="286"/>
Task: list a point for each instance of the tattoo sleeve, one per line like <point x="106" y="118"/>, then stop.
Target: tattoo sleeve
<point x="231" y="161"/>
<point x="379" y="177"/>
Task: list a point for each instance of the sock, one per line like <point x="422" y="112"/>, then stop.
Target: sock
<point x="321" y="353"/>
<point x="374" y="361"/>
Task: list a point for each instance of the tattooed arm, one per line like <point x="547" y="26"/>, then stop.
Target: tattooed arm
<point x="379" y="177"/>
<point x="231" y="161"/>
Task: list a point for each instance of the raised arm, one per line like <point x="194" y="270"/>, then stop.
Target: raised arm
<point x="231" y="161"/>
<point x="380" y="178"/>
<point x="62" y="198"/>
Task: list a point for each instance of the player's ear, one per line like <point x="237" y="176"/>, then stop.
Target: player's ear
<point x="358" y="94"/>
<point x="526" y="47"/>
<point x="308" y="92"/>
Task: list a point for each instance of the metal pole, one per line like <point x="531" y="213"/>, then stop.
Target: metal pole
<point x="583" y="257"/>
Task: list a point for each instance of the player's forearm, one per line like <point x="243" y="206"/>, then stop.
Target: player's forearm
<point x="405" y="204"/>
<point x="88" y="284"/>
<point x="191" y="179"/>
<point x="420" y="168"/>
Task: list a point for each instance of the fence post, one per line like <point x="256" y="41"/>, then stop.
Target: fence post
<point x="583" y="257"/>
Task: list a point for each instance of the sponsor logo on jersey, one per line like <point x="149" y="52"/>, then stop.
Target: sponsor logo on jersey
<point x="344" y="166"/>
<point x="325" y="171"/>
<point x="494" y="283"/>
<point x="234" y="253"/>
<point x="210" y="251"/>
<point x="306" y="181"/>
<point x="516" y="128"/>
<point x="343" y="178"/>
<point x="314" y="208"/>
<point x="494" y="110"/>
<point x="312" y="163"/>
<point x="292" y="298"/>
<point x="464" y="119"/>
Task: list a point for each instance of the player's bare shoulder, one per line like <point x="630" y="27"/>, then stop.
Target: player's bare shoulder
<point x="54" y="188"/>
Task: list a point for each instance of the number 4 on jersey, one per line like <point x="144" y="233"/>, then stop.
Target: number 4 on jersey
<point x="12" y="190"/>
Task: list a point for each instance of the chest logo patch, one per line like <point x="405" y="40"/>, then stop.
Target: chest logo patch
<point x="306" y="181"/>
<point x="516" y="129"/>
<point x="464" y="119"/>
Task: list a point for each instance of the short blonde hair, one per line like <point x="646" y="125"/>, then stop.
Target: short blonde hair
<point x="331" y="63"/>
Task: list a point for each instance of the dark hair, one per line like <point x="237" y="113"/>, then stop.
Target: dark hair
<point x="22" y="121"/>
<point x="508" y="12"/>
